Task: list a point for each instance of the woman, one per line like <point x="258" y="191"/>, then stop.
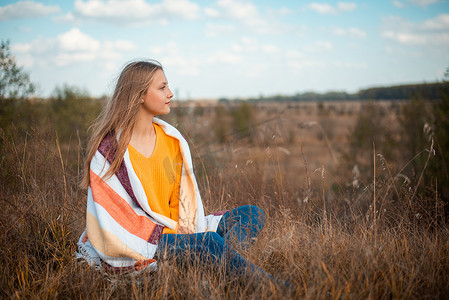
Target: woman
<point x="143" y="201"/>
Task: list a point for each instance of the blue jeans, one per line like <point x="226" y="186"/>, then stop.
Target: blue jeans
<point x="242" y="225"/>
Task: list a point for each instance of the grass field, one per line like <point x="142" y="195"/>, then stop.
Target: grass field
<point x="333" y="232"/>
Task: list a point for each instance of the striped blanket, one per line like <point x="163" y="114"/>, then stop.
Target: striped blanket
<point x="122" y="232"/>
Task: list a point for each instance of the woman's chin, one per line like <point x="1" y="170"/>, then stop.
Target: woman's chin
<point x="165" y="111"/>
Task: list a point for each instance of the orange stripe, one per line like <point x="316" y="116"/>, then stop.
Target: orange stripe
<point x="107" y="242"/>
<point x="119" y="209"/>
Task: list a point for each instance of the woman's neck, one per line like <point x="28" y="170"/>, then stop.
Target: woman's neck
<point x="143" y="128"/>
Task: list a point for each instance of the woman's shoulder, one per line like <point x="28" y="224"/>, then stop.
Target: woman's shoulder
<point x="163" y="136"/>
<point x="173" y="132"/>
<point x="168" y="129"/>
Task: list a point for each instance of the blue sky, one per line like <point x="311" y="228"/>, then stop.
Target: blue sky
<point x="231" y="48"/>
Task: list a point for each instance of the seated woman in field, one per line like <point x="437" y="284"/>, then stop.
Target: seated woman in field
<point x="143" y="201"/>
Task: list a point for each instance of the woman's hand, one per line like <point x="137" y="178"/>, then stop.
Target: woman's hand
<point x="85" y="238"/>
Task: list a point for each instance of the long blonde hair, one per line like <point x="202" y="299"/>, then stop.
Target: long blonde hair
<point x="119" y="115"/>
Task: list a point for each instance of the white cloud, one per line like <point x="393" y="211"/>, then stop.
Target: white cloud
<point x="431" y="32"/>
<point x="422" y="3"/>
<point x="248" y="41"/>
<point x="248" y="15"/>
<point x="325" y="8"/>
<point x="349" y="65"/>
<point x="74" y="41"/>
<point x="346" y="6"/>
<point x="21" y="48"/>
<point x="251" y="46"/>
<point x="319" y="46"/>
<point x="180" y="9"/>
<point x="112" y="51"/>
<point x="70" y="48"/>
<point x="398" y="4"/>
<point x="440" y="22"/>
<point x="245" y="12"/>
<point x="294" y="54"/>
<point x="352" y="32"/>
<point x="224" y="57"/>
<point x="211" y="12"/>
<point x="239" y="9"/>
<point x="170" y="55"/>
<point x="121" y="45"/>
<point x="282" y="11"/>
<point x="214" y="29"/>
<point x="67" y="18"/>
<point x="67" y="58"/>
<point x="269" y="48"/>
<point x="245" y="55"/>
<point x="26" y="9"/>
<point x="132" y="12"/>
<point x="247" y="52"/>
<point x="24" y="29"/>
<point x="38" y="47"/>
<point x="322" y="8"/>
<point x="255" y="70"/>
<point x="300" y="31"/>
<point x="299" y="65"/>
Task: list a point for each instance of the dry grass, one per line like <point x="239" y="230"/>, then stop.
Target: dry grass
<point x="325" y="241"/>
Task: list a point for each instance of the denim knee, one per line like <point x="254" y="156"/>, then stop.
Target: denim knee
<point x="253" y="212"/>
<point x="257" y="211"/>
<point x="212" y="238"/>
<point x="242" y="222"/>
<point x="246" y="210"/>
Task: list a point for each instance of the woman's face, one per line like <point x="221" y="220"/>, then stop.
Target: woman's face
<point x="157" y="99"/>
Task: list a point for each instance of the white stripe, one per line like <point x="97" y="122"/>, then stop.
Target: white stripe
<point x="107" y="222"/>
<point x="117" y="262"/>
<point x="212" y="222"/>
<point x="96" y="166"/>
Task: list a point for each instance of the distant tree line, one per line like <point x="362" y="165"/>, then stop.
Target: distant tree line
<point x="431" y="91"/>
<point x="309" y="96"/>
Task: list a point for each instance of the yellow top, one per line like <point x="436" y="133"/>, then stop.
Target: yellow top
<point x="160" y="175"/>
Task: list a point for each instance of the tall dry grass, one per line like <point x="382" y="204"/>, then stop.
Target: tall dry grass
<point x="331" y="245"/>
